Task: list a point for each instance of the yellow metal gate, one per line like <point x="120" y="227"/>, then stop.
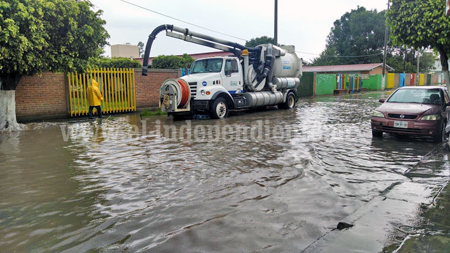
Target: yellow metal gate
<point x="115" y="84"/>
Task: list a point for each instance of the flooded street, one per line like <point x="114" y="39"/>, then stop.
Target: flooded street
<point x="267" y="181"/>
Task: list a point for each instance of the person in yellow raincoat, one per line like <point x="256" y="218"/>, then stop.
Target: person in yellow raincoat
<point x="94" y="97"/>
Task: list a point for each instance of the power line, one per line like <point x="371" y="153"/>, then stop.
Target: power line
<point x="341" y="56"/>
<point x="167" y="16"/>
<point x="202" y="27"/>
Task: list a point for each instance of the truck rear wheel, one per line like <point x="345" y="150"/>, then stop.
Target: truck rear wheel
<point x="219" y="109"/>
<point x="291" y="101"/>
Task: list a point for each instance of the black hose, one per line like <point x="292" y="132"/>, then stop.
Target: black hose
<point x="207" y="41"/>
<point x="148" y="47"/>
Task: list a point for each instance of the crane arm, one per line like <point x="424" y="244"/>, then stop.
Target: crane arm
<point x="196" y="38"/>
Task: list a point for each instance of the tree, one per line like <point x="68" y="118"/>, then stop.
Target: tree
<point x="172" y="61"/>
<point x="358" y="38"/>
<point x="419" y="24"/>
<point x="116" y="62"/>
<point x="358" y="33"/>
<point x="327" y="57"/>
<point x="141" y="49"/>
<point x="44" y="35"/>
<point x="397" y="61"/>
<point x="258" y="41"/>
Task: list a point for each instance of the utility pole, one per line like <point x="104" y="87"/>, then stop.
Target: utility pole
<point x="275" y="37"/>
<point x="383" y="85"/>
<point x="418" y="68"/>
<point x="404" y="67"/>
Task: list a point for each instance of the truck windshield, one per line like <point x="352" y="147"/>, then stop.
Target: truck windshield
<point x="206" y="66"/>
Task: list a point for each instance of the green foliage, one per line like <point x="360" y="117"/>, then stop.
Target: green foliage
<point x="172" y="61"/>
<point x="116" y="62"/>
<point x="147" y="113"/>
<point x="419" y="23"/>
<point x="141" y="49"/>
<point x="397" y="62"/>
<point x="258" y="41"/>
<point x="327" y="57"/>
<point x="361" y="32"/>
<point x="48" y="35"/>
<point x="357" y="33"/>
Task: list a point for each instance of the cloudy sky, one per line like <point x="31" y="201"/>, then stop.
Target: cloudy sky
<point x="302" y="23"/>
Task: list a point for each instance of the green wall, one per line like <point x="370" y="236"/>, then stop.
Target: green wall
<point x="326" y="84"/>
<point x="306" y="87"/>
<point x="373" y="83"/>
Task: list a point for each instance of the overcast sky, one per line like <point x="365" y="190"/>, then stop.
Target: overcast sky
<point x="304" y="24"/>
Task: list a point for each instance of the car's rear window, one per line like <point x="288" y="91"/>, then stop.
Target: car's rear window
<point x="420" y="96"/>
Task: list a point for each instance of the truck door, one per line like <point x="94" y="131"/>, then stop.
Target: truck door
<point x="233" y="77"/>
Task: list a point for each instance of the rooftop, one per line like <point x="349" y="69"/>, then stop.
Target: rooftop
<point x="344" y="68"/>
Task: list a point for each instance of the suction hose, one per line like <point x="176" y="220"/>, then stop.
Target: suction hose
<point x="148" y="47"/>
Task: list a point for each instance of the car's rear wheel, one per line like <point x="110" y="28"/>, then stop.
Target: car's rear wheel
<point x="377" y="134"/>
<point x="440" y="136"/>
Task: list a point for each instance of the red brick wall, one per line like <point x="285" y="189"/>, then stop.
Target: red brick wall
<point x="41" y="97"/>
<point x="147" y="87"/>
<point x="44" y="97"/>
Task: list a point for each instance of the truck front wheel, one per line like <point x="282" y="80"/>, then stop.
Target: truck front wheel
<point x="291" y="100"/>
<point x="219" y="109"/>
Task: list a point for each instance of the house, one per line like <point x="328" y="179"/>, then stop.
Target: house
<point x="361" y="69"/>
<point x="125" y="50"/>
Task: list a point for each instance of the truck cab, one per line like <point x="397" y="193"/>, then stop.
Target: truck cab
<point x="208" y="76"/>
<point x="211" y="78"/>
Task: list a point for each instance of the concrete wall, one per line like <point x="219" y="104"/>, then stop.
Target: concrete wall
<point x="373" y="83"/>
<point x="44" y="97"/>
<point x="306" y="87"/>
<point x="326" y="84"/>
<point x="147" y="87"/>
<point x="41" y="97"/>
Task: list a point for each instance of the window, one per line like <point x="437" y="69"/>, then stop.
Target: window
<point x="420" y="96"/>
<point x="231" y="66"/>
<point x="206" y="65"/>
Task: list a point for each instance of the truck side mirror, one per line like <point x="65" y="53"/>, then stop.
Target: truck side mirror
<point x="382" y="100"/>
<point x="228" y="72"/>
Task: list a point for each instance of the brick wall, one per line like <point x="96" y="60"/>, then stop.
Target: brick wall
<point x="44" y="97"/>
<point x="147" y="87"/>
<point x="41" y="97"/>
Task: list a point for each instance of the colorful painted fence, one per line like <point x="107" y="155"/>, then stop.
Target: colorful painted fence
<point x="325" y="84"/>
<point x="116" y="85"/>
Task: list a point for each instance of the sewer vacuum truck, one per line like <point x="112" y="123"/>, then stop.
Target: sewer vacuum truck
<point x="250" y="77"/>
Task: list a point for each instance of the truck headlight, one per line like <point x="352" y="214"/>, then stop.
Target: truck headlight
<point x="377" y="114"/>
<point x="431" y="117"/>
<point x="202" y="92"/>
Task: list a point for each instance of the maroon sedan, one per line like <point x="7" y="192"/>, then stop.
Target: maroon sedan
<point x="414" y="110"/>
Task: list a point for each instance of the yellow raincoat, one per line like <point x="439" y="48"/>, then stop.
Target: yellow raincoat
<point x="94" y="95"/>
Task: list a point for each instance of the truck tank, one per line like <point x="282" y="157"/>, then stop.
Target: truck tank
<point x="263" y="98"/>
<point x="288" y="64"/>
<point x="282" y="65"/>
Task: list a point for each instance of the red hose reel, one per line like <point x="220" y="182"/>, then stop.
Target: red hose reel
<point x="184" y="92"/>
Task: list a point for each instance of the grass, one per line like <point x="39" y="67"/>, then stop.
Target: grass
<point x="148" y="113"/>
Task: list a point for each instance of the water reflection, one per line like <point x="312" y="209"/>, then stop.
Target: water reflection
<point x="128" y="184"/>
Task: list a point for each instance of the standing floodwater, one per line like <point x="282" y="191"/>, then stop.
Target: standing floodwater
<point x="273" y="180"/>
